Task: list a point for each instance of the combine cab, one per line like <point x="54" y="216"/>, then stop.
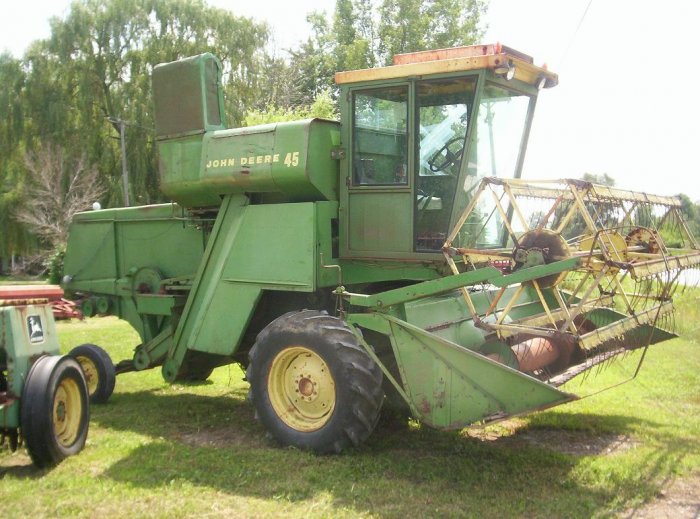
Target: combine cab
<point x="392" y="258"/>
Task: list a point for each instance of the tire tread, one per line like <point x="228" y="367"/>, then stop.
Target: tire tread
<point x="364" y="377"/>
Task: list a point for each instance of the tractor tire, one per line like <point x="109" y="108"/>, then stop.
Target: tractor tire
<point x="98" y="369"/>
<point x="313" y="386"/>
<point x="55" y="410"/>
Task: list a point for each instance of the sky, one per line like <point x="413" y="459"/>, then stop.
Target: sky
<point x="625" y="103"/>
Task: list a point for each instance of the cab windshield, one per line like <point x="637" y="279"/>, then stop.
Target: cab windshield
<point x="443" y="115"/>
<point x="493" y="152"/>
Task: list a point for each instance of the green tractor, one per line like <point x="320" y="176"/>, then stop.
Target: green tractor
<point x="393" y="258"/>
<point x="44" y="399"/>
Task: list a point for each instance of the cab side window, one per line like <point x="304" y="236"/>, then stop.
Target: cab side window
<point x="380" y="137"/>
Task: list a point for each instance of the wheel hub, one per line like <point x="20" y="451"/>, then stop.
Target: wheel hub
<point x="90" y="372"/>
<point x="301" y="389"/>
<point x="67" y="412"/>
<point x="307" y="388"/>
<point x="61" y="411"/>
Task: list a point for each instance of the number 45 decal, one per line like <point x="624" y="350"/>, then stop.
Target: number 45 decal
<point x="291" y="159"/>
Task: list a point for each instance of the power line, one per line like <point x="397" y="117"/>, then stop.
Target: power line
<point x="573" y="36"/>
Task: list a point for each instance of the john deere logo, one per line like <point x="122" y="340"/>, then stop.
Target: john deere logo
<point x="36" y="331"/>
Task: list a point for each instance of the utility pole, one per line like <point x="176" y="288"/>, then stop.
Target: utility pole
<point x="125" y="172"/>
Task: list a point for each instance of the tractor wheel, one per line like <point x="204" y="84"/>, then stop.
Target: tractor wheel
<point x="55" y="410"/>
<point x="98" y="369"/>
<point x="312" y="384"/>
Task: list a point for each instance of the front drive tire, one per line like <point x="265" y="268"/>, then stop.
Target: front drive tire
<point x="54" y="412"/>
<point x="98" y="369"/>
<point x="313" y="386"/>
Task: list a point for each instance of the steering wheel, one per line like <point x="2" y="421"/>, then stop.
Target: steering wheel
<point x="453" y="152"/>
<point x="425" y="198"/>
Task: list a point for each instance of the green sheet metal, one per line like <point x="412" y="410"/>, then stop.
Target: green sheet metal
<point x="420" y="290"/>
<point x="291" y="160"/>
<point x="113" y="243"/>
<point x="107" y="249"/>
<point x="450" y="386"/>
<point x="381" y="222"/>
<point x="536" y="272"/>
<point x="187" y="96"/>
<point x="251" y="249"/>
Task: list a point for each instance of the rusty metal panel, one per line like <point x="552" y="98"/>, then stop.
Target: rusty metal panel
<point x="19" y="292"/>
<point x="451" y="386"/>
<point x="468" y="51"/>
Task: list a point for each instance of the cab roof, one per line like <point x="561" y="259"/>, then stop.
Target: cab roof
<point x="495" y="56"/>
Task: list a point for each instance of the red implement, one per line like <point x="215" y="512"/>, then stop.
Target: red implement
<point x="65" y="309"/>
<point x="18" y="292"/>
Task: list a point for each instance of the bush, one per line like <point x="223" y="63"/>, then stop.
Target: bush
<point x="54" y="265"/>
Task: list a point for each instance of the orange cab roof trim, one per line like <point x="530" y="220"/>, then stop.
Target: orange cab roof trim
<point x="456" y="59"/>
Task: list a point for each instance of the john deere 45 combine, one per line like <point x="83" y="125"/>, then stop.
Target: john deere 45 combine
<point x="393" y="256"/>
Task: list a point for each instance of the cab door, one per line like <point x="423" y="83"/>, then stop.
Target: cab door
<point x="377" y="199"/>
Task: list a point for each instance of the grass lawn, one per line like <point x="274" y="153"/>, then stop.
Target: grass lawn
<point x="159" y="450"/>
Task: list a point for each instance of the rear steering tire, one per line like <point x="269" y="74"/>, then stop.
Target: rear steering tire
<point x="55" y="410"/>
<point x="313" y="386"/>
<point x="99" y="371"/>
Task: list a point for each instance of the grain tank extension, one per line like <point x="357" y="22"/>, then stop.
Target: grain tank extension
<point x="394" y="258"/>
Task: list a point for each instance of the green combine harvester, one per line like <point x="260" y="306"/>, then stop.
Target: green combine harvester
<point x="394" y="258"/>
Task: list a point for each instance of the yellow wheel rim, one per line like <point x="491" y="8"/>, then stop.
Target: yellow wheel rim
<point x="301" y="389"/>
<point x="67" y="412"/>
<point x="90" y="371"/>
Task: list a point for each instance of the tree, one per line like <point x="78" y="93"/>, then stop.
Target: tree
<point x="603" y="180"/>
<point x="357" y="38"/>
<point x="58" y="186"/>
<point x="691" y="214"/>
<point x="323" y="107"/>
<point x="14" y="238"/>
<point x="95" y="69"/>
<point x="313" y="65"/>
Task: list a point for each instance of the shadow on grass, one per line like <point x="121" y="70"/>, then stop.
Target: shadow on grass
<point x="24" y="471"/>
<point x="214" y="442"/>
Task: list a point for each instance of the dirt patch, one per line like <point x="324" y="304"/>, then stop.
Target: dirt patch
<point x="578" y="443"/>
<point x="565" y="441"/>
<point x="220" y="437"/>
<point x="679" y="499"/>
